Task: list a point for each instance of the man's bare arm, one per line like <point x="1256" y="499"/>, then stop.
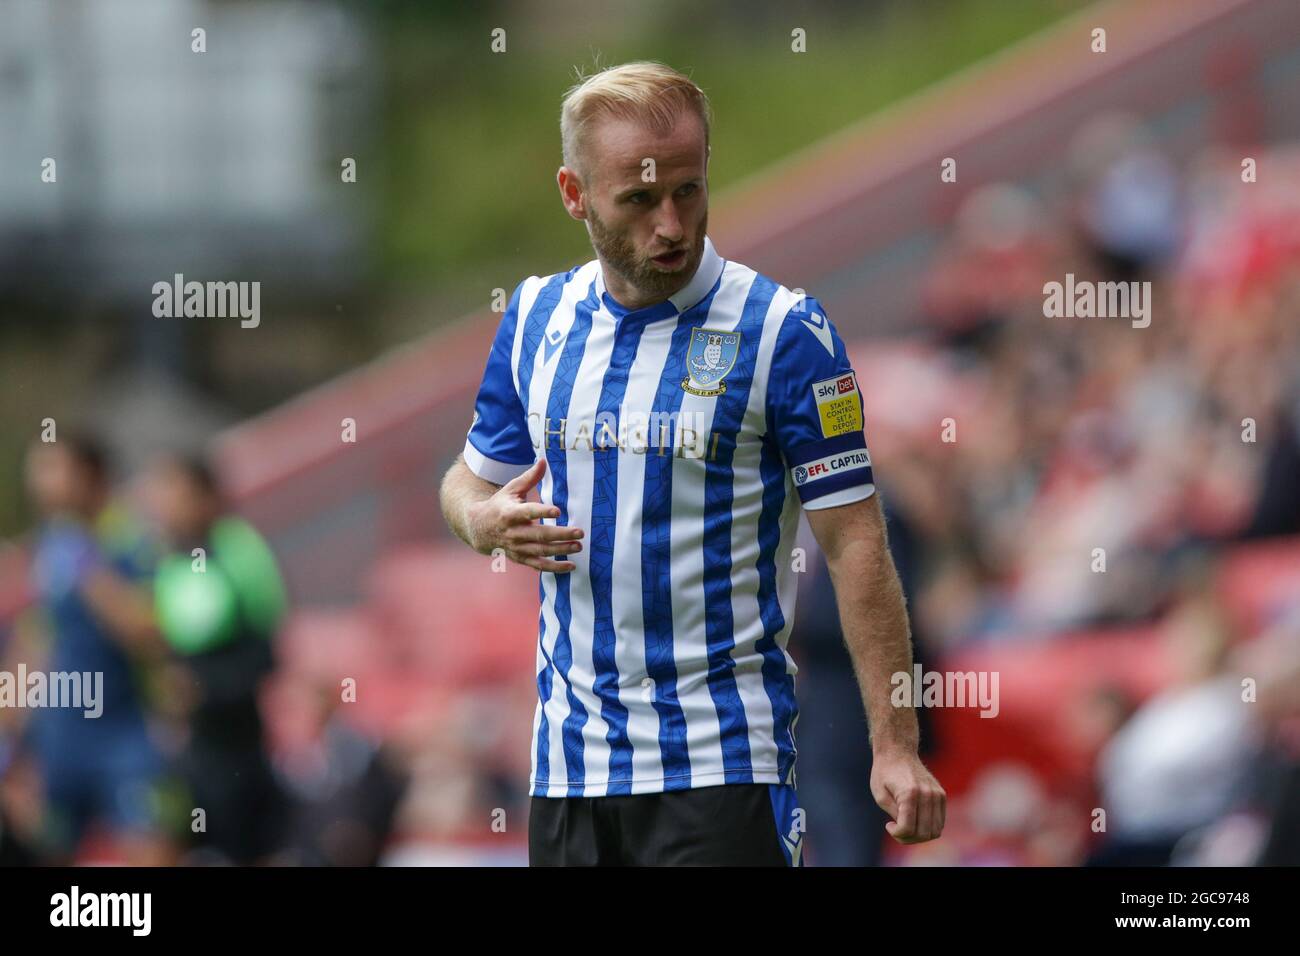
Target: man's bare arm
<point x="873" y="614"/>
<point x="126" y="610"/>
<point x="461" y="491"/>
<point x="487" y="516"/>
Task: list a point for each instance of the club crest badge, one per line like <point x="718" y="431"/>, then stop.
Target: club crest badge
<point x="709" y="358"/>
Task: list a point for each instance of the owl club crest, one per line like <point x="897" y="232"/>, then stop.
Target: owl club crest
<point x="709" y="358"/>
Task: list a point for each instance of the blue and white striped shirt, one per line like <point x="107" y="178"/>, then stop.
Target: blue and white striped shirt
<point x="683" y="438"/>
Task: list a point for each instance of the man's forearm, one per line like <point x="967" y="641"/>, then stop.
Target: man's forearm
<point x="461" y="491"/>
<point x="125" y="609"/>
<point x="873" y="614"/>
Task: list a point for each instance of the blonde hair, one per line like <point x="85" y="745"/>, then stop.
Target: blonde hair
<point x="647" y="91"/>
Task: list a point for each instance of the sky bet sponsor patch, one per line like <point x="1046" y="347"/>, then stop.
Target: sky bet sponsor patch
<point x="837" y="405"/>
<point x="831" y="465"/>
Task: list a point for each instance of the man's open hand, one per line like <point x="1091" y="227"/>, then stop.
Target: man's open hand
<point x="509" y="521"/>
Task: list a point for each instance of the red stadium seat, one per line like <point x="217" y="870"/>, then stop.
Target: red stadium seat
<point x="1039" y="684"/>
<point x="443" y="612"/>
<point x="1257" y="582"/>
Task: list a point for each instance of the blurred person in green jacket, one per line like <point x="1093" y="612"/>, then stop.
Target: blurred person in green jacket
<point x="220" y="600"/>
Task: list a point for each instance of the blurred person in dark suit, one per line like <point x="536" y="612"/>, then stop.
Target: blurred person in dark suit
<point x="220" y="601"/>
<point x="1275" y="658"/>
<point x="92" y="564"/>
<point x="1277" y="510"/>
<point x="834" y="747"/>
<point x="345" y="788"/>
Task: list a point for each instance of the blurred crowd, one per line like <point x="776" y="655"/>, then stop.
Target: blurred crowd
<point x="1049" y="477"/>
<point x="167" y="608"/>
<point x="1075" y="434"/>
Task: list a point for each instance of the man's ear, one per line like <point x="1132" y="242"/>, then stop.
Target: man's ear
<point x="560" y="181"/>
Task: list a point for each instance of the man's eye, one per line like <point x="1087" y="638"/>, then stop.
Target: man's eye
<point x="689" y="188"/>
<point x="636" y="198"/>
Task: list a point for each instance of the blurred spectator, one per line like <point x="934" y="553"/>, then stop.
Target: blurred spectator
<point x="1274" y="661"/>
<point x="345" y="788"/>
<point x="1278" y="509"/>
<point x="994" y="260"/>
<point x="1186" y="757"/>
<point x="220" y="602"/>
<point x="91" y="569"/>
<point x="20" y="809"/>
<point x="1130" y="208"/>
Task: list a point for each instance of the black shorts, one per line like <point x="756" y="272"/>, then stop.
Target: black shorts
<point x="736" y="824"/>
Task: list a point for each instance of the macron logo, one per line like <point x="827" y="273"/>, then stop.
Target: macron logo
<point x="553" y="339"/>
<point x="819" y="327"/>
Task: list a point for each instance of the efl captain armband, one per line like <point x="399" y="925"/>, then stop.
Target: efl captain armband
<point x="834" y="465"/>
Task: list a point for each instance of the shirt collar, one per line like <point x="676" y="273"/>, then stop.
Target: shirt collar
<point x="690" y="295"/>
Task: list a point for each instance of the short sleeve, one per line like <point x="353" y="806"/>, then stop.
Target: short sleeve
<point x="814" y="411"/>
<point x="498" y="446"/>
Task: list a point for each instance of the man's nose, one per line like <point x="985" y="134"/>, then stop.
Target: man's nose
<point x="669" y="225"/>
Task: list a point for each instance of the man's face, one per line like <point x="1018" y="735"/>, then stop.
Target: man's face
<point x="55" y="481"/>
<point x="176" y="504"/>
<point x="633" y="223"/>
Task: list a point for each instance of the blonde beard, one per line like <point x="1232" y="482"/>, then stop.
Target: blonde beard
<point x="616" y="252"/>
